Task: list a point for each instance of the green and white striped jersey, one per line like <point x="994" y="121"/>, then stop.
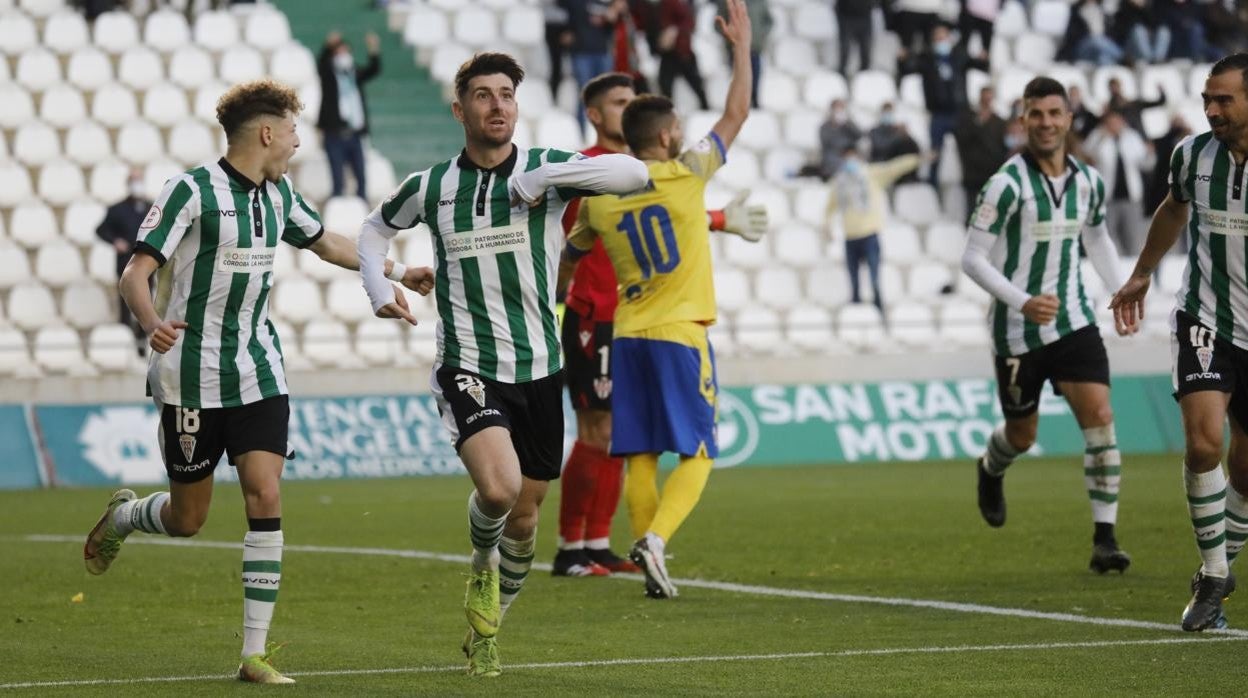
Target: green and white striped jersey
<point x="1215" y="282"/>
<point x="215" y="234"/>
<point x="1039" y="221"/>
<point x="495" y="265"/>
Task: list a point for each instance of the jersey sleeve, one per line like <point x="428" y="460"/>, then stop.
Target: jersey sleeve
<point x="567" y="194"/>
<point x="1096" y="212"/>
<point x="1178" y="171"/>
<point x="168" y="219"/>
<point x="303" y="224"/>
<point x="998" y="201"/>
<point x="706" y="156"/>
<point x="581" y="238"/>
<point x="403" y="209"/>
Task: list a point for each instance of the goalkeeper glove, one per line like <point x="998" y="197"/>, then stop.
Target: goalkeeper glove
<point x="750" y="222"/>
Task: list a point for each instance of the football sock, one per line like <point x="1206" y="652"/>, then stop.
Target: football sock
<point x="606" y="499"/>
<point x="1102" y="467"/>
<point x="1206" y="500"/>
<point x="577" y="493"/>
<point x="262" y="576"/>
<point x="142" y="515"/>
<point x="999" y="454"/>
<point x="642" y="491"/>
<point x="680" y="494"/>
<point x="513" y="568"/>
<point x="1236" y="522"/>
<point x="485" y="533"/>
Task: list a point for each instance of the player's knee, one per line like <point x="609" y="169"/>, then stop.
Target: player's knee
<point x="1021" y="434"/>
<point x="184" y="524"/>
<point x="498" y="496"/>
<point x="1203" y="451"/>
<point x="264" y="501"/>
<point x="521" y="525"/>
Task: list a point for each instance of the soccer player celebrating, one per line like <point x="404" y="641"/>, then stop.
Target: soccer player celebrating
<point x="1034" y="217"/>
<point x="1209" y="343"/>
<point x="216" y="369"/>
<point x="592" y="477"/>
<point x="664" y="370"/>
<point x="494" y="212"/>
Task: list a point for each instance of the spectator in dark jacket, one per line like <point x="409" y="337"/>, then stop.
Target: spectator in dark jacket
<point x="1086" y="38"/>
<point x="836" y="134"/>
<point x="120" y="228"/>
<point x="1130" y="109"/>
<point x="343" y="120"/>
<point x="853" y="26"/>
<point x="890" y="139"/>
<point x="1138" y="27"/>
<point x="980" y="134"/>
<point x="944" y="87"/>
<point x="1082" y="120"/>
<point x="592" y="27"/>
<point x="669" y="25"/>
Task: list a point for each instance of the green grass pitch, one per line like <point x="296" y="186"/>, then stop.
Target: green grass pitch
<point x="384" y="624"/>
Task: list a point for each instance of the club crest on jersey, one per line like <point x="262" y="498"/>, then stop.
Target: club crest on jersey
<point x="152" y="219"/>
<point x="187" y="442"/>
<point x="585" y="337"/>
<point x="1205" y="356"/>
<point x="602" y="388"/>
<point x="985" y="215"/>
<point x="473" y="386"/>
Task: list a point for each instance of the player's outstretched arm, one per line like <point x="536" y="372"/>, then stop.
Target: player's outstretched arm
<point x="736" y="30"/>
<point x="136" y="293"/>
<point x="1167" y="225"/>
<point x="370" y="258"/>
<point x="738" y="218"/>
<point x="605" y="174"/>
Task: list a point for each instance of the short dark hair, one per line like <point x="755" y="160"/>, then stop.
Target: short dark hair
<point x="1044" y="87"/>
<point x="1235" y="61"/>
<point x="603" y="84"/>
<point x="643" y="118"/>
<point x="246" y="101"/>
<point x="488" y="63"/>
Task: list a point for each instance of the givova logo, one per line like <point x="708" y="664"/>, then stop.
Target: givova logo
<point x="736" y="431"/>
<point x="120" y="442"/>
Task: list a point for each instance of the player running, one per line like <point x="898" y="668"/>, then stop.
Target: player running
<point x="664" y="370"/>
<point x="1034" y="219"/>
<point x="498" y="375"/>
<point x="591" y="480"/>
<point x="1209" y="344"/>
<point x="216" y="370"/>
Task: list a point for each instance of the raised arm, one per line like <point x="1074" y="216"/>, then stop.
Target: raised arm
<point x="738" y="32"/>
<point x="606" y="174"/>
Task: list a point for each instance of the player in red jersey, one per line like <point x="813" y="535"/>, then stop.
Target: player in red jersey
<point x="592" y="479"/>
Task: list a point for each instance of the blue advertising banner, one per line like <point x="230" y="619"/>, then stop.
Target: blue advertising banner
<point x="19" y="461"/>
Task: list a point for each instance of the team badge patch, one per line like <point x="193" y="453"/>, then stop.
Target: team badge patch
<point x="152" y="219"/>
<point x="187" y="442"/>
<point x="602" y="388"/>
<point x="1205" y="356"/>
<point x="985" y="216"/>
<point x="473" y="386"/>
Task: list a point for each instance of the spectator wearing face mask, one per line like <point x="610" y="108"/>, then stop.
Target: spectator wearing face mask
<point x="120" y="228"/>
<point x="858" y="196"/>
<point x="944" y="87"/>
<point x="980" y="134"/>
<point x="890" y="139"/>
<point x="343" y="120"/>
<point x="835" y="135"/>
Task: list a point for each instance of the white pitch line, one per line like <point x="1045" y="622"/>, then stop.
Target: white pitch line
<point x="756" y="590"/>
<point x="885" y="651"/>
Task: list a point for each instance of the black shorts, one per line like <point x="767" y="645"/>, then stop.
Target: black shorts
<point x="587" y="349"/>
<point x="1204" y="362"/>
<point x="532" y="412"/>
<point x="193" y="440"/>
<point x="1079" y="357"/>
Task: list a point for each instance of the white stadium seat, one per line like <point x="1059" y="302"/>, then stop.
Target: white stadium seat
<point x="740" y="172"/>
<point x="327" y="343"/>
<point x="14" y="183"/>
<point x="191" y="66"/>
<point x="793" y="54"/>
<point x="945" y="242"/>
<point x="267" y="29"/>
<point x="821" y="87"/>
<point x="313" y="177"/>
<point x="913" y="325"/>
<point x="31" y="306"/>
<point x="111" y="347"/>
<point x="475" y="26"/>
<point x="899" y="243"/>
<point x="523" y="26"/>
<point x="777" y="287"/>
<point x="1103" y="74"/>
<point x="14" y="355"/>
<point x="910" y="91"/>
<point x="108" y="180"/>
<point x="206" y="98"/>
<point x="962" y="324"/>
<point x="1196" y="79"/>
<point x="165" y="105"/>
<point x="16" y="267"/>
<point x="556" y="129"/>
<point x="380" y="174"/>
<point x="828" y="288"/>
<point x="814" y="21"/>
<point x="1170" y="273"/>
<point x="116" y="31"/>
<point x="102" y="263"/>
<point x="89" y="68"/>
<point x="82" y="217"/>
<point x="157" y="173"/>
<point x="284" y="264"/>
<point x="776" y="201"/>
<point x="241" y="63"/>
<point x="743" y="254"/>
<point x="292" y="353"/>
<point x="782" y="162"/>
<point x="140" y="68"/>
<point x="872" y="88"/>
<point x="969" y="290"/>
<point x="344" y="215"/>
<point x="85" y="304"/>
<point x="1156" y="80"/>
<point x="65" y="31"/>
<point x="916" y="203"/>
<point x="216" y="30"/>
<point x="758" y="330"/>
<point x="42" y="9"/>
<point x="114" y="105"/>
<point x="861" y="326"/>
<point x="19" y="108"/>
<point x="778" y="93"/>
<point x="810" y="328"/>
<point x="345" y="299"/>
<point x="58" y="349"/>
<point x="798" y="246"/>
<point x="166" y="30"/>
<point x="425" y="27"/>
<point x="58" y="263"/>
<point x="38" y="69"/>
<point x="191" y="143"/>
<point x="732" y="289"/>
<point x="927" y="280"/>
<point x="61" y="182"/>
<point x="294" y="65"/>
<point x="36" y="143"/>
<point x="1035" y="51"/>
<point x="1012" y="20"/>
<point x="297" y="300"/>
<point x="447" y="57"/>
<point x="17" y="33"/>
<point x="139" y="143"/>
<point x="62" y="106"/>
<point x="33" y="224"/>
<point x="760" y="132"/>
<point x="1050" y="17"/>
<point x="380" y="342"/>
